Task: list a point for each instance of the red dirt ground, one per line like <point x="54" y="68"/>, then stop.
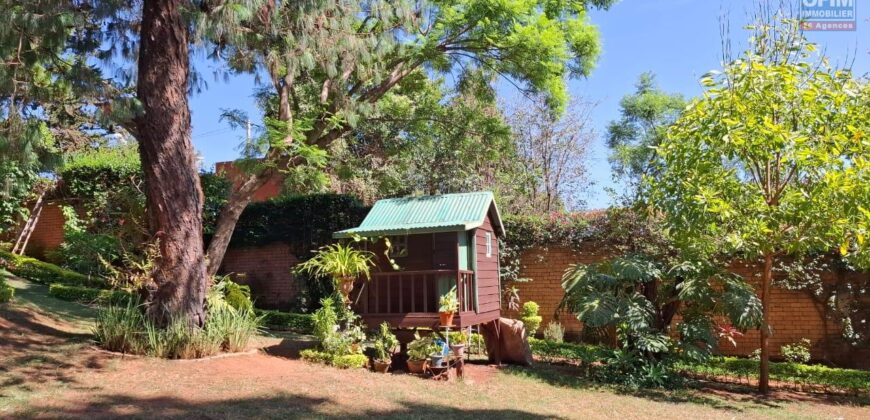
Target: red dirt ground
<point x="50" y="370"/>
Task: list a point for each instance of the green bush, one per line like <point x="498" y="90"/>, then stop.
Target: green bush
<point x="850" y="380"/>
<point x="797" y="352"/>
<point x="46" y="273"/>
<point x="554" y="332"/>
<point x="555" y="351"/>
<point x="349" y="361"/>
<point x="346" y="361"/>
<point x="531" y="319"/>
<point x="82" y="252"/>
<point x="89" y="295"/>
<point x="287" y="321"/>
<point x="6" y="291"/>
<point x="236" y="295"/>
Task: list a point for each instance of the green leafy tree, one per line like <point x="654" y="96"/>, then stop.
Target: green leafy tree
<point x="426" y="137"/>
<point x="646" y="115"/>
<point x="771" y="162"/>
<point x="46" y="98"/>
<point x="325" y="78"/>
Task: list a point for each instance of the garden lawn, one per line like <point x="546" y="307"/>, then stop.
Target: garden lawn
<point x="49" y="369"/>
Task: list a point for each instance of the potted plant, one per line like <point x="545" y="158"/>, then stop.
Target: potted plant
<point x="385" y="344"/>
<point x="419" y="352"/>
<point x="438" y="358"/>
<point x="343" y="264"/>
<point x="448" y="305"/>
<point x="458" y="340"/>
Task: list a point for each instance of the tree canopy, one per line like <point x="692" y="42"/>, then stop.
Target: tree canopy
<point x="771" y="161"/>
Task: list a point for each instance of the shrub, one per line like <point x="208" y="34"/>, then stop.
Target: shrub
<point x="6" y="291"/>
<point x="347" y="361"/>
<point x="797" y="352"/>
<point x="554" y="332"/>
<point x="849" y="380"/>
<point x="531" y="319"/>
<point x="46" y="273"/>
<point x="276" y="320"/>
<point x="83" y="252"/>
<point x="556" y="351"/>
<point x="422" y="347"/>
<point x="236" y="295"/>
<point x="385" y="343"/>
<point x="89" y="295"/>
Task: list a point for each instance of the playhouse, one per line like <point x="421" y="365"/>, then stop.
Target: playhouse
<point x="437" y="242"/>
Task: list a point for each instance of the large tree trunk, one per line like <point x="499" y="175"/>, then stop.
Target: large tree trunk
<point x="172" y="190"/>
<point x="763" y="378"/>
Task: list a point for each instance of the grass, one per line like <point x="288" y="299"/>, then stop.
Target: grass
<point x="36" y="296"/>
<point x="46" y="372"/>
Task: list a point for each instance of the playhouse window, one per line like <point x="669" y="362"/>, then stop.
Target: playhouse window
<point x="399" y="246"/>
<point x="488" y="244"/>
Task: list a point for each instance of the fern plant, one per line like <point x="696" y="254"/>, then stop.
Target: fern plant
<point x="343" y="263"/>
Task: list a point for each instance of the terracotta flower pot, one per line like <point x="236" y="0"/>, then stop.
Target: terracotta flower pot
<point x="345" y="287"/>
<point x="382" y="367"/>
<point x="416" y="366"/>
<point x="458" y="350"/>
<point x="446" y="318"/>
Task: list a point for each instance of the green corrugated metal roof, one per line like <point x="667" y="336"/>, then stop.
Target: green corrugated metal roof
<point x="429" y="214"/>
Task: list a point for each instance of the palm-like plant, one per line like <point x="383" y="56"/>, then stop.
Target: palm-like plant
<point x="342" y="263"/>
<point x="609" y="293"/>
<point x="640" y="299"/>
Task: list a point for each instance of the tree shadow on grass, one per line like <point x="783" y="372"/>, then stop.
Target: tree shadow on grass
<point x="280" y="406"/>
<point x="35" y="296"/>
<point x="290" y="345"/>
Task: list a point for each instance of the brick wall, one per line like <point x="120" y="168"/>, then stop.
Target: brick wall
<point x="48" y="233"/>
<point x="793" y="314"/>
<point x="267" y="270"/>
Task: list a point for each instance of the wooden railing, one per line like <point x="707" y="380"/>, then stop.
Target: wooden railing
<point x="402" y="292"/>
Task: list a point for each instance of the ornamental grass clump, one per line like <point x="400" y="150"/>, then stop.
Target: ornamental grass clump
<point x="126" y="329"/>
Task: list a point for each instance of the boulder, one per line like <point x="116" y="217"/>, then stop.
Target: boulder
<point x="507" y="342"/>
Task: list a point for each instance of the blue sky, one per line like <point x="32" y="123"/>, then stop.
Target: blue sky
<point x="678" y="40"/>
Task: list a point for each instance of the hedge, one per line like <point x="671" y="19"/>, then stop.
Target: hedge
<point x="88" y="295"/>
<point x="306" y="222"/>
<point x="47" y="273"/>
<point x="554" y="351"/>
<point x="805" y="377"/>
<point x="342" y="362"/>
<point x="6" y="291"/>
<point x="287" y="321"/>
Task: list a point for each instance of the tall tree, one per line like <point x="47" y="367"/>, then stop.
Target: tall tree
<point x="552" y="149"/>
<point x="327" y="76"/>
<point x="47" y="93"/>
<point x="172" y="190"/>
<point x="645" y="117"/>
<point x="771" y="162"/>
<point x="426" y="137"/>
